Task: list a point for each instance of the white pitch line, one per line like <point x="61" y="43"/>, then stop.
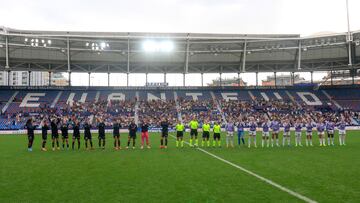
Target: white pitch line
<point x="293" y="193"/>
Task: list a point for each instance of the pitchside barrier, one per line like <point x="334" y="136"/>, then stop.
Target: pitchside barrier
<point x="155" y="130"/>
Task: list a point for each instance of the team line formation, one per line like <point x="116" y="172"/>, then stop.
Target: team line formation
<point x="234" y="126"/>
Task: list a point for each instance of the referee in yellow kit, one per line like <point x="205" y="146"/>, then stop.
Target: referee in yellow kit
<point x="194" y="124"/>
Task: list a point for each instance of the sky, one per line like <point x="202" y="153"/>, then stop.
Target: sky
<point x="305" y="17"/>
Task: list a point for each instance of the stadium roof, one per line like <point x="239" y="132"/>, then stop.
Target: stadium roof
<point x="119" y="52"/>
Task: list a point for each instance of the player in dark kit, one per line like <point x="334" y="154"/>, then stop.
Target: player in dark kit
<point x="76" y="134"/>
<point x="54" y="133"/>
<point x="132" y="134"/>
<point x="65" y="133"/>
<point x="87" y="135"/>
<point x="44" y="129"/>
<point x="116" y="134"/>
<point x="164" y="133"/>
<point x="101" y="127"/>
<point x="30" y="132"/>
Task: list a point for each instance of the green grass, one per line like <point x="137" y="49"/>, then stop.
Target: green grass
<point x="324" y="174"/>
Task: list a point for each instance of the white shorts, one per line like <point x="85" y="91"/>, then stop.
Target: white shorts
<point x="321" y="133"/>
<point x="252" y="133"/>
<point x="265" y="134"/>
<point x="231" y="134"/>
<point x="309" y="133"/>
<point x="342" y="132"/>
<point x="277" y="132"/>
<point x="287" y="133"/>
<point x="330" y="131"/>
<point x="297" y="133"/>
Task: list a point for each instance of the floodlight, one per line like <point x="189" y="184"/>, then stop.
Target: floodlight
<point x="102" y="44"/>
<point x="87" y="44"/>
<point x="158" y="46"/>
<point x="150" y="46"/>
<point x="26" y="39"/>
<point x="166" y="46"/>
<point x="42" y="41"/>
<point x="36" y="40"/>
<point x="49" y="41"/>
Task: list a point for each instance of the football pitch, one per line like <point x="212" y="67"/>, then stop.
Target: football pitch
<point x="322" y="174"/>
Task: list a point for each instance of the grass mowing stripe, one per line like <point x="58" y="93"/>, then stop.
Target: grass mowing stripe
<point x="293" y="193"/>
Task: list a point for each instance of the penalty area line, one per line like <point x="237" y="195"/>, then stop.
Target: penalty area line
<point x="270" y="182"/>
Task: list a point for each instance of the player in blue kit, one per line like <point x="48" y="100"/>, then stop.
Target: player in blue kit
<point x="275" y="127"/>
<point x="298" y="128"/>
<point x="320" y="127"/>
<point x="240" y="131"/>
<point x="286" y="135"/>
<point x="252" y="131"/>
<point x="265" y="132"/>
<point x="342" y="131"/>
<point x="309" y="131"/>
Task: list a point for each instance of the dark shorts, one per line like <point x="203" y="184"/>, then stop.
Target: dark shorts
<point x="54" y="136"/>
<point x="76" y="136"/>
<point x="193" y="132"/>
<point x="116" y="135"/>
<point x="164" y="134"/>
<point x="206" y="134"/>
<point x="65" y="136"/>
<point x="216" y="135"/>
<point x="87" y="137"/>
<point x="31" y="137"/>
<point x="44" y="137"/>
<point x="133" y="136"/>
<point x="179" y="134"/>
<point x="102" y="137"/>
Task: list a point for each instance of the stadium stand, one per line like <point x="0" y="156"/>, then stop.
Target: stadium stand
<point x="215" y="104"/>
